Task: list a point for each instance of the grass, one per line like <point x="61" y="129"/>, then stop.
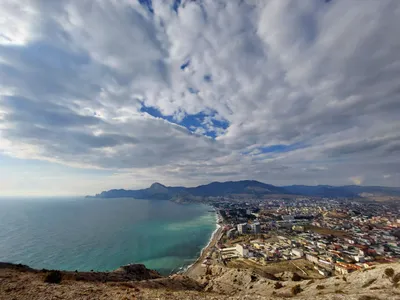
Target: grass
<point x="327" y="231"/>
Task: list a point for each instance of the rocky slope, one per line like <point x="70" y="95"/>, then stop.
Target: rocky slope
<point x="136" y="282"/>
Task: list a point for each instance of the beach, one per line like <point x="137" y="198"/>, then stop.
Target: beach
<point x="196" y="269"/>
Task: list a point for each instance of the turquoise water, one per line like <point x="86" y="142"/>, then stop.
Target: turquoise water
<point x="103" y="234"/>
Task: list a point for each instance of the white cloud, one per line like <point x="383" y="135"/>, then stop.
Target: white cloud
<point x="320" y="75"/>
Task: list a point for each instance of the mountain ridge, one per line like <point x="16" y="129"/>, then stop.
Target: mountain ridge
<point x="248" y="187"/>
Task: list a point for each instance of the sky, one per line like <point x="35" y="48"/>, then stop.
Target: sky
<point x="97" y="95"/>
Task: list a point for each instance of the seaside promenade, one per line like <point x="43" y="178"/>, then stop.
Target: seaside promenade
<point x="196" y="269"/>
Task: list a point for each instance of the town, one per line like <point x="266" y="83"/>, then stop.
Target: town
<point x="316" y="235"/>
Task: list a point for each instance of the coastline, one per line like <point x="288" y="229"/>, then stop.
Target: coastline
<point x="195" y="269"/>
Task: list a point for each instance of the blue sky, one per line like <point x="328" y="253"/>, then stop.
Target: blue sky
<point x="122" y="94"/>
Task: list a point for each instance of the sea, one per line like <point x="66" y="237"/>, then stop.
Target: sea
<point x="87" y="234"/>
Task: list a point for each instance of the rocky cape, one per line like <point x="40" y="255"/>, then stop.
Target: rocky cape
<point x="247" y="187"/>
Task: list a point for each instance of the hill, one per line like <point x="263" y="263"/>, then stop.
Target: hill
<point x="136" y="282"/>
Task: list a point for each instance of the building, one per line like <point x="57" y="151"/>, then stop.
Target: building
<point x="256" y="228"/>
<point x="229" y="253"/>
<point x="242" y="228"/>
<point x="288" y="218"/>
<point x="298" y="228"/>
<point x="297" y="252"/>
<point x="312" y="258"/>
<point x="242" y="251"/>
<point x="231" y="233"/>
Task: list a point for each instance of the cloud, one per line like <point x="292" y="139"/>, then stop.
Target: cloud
<point x="356" y="180"/>
<point x="201" y="90"/>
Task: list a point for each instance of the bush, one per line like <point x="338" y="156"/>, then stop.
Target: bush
<point x="389" y="272"/>
<point x="278" y="285"/>
<point x="396" y="278"/>
<point x="296" y="289"/>
<point x="344" y="278"/>
<point x="296" y="277"/>
<point x="53" y="277"/>
<point x="253" y="278"/>
<point x="366" y="297"/>
<point x="320" y="287"/>
<point x="369" y="282"/>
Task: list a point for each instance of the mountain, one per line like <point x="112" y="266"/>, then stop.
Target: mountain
<point x="248" y="187"/>
<point x="235" y="187"/>
<point x="155" y="191"/>
<point x="342" y="191"/>
<point x="321" y="190"/>
<point x="160" y="191"/>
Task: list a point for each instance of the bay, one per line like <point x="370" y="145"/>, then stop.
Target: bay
<point x="103" y="234"/>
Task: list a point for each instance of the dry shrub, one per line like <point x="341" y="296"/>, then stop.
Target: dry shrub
<point x="396" y="279"/>
<point x="369" y="282"/>
<point x="296" y="277"/>
<point x="320" y="287"/>
<point x="278" y="285"/>
<point x="296" y="289"/>
<point x="389" y="272"/>
<point x="366" y="297"/>
<point x="53" y="277"/>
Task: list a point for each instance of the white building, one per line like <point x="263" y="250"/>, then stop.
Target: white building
<point x="297" y="252"/>
<point x="242" y="228"/>
<point x="244" y="252"/>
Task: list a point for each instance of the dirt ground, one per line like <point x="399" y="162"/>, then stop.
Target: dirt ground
<point x="278" y="267"/>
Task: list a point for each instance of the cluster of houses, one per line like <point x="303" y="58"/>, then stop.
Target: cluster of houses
<point x="361" y="246"/>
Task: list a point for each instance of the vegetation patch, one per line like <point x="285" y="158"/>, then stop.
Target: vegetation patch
<point x="396" y="279"/>
<point x="278" y="285"/>
<point x="366" y="297"/>
<point x="296" y="289"/>
<point x="389" y="272"/>
<point x="369" y="282"/>
<point x="320" y="287"/>
<point x="296" y="277"/>
<point x="53" y="277"/>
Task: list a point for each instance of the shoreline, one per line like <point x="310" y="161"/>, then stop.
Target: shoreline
<point x="195" y="269"/>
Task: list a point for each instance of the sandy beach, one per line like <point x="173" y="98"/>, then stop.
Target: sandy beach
<point x="196" y="270"/>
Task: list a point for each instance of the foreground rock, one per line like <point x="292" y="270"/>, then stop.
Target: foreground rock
<point x="137" y="282"/>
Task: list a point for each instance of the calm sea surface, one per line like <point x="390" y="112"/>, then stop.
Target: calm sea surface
<point x="102" y="234"/>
